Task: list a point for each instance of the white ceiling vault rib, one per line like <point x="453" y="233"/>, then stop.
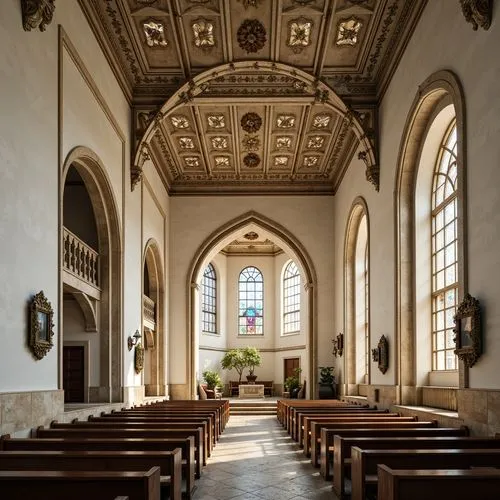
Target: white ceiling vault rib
<point x="285" y="60"/>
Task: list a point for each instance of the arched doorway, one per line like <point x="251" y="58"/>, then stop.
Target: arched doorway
<point x="253" y="222"/>
<point x="153" y="321"/>
<point x="91" y="278"/>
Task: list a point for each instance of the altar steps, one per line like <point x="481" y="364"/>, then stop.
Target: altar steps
<point x="260" y="407"/>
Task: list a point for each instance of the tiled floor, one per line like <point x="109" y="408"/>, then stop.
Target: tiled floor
<point x="256" y="459"/>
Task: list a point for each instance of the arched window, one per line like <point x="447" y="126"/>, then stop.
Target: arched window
<point x="444" y="253"/>
<point x="251" y="302"/>
<point x="209" y="300"/>
<point x="291" y="299"/>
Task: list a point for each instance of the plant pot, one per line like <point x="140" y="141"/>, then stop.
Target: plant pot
<point x="251" y="379"/>
<point x="327" y="391"/>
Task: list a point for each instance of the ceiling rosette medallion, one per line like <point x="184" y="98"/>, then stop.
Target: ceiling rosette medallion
<point x="299" y="34"/>
<point x="37" y="14"/>
<point x="203" y="32"/>
<point x="251" y="143"/>
<point x="251" y="36"/>
<point x="155" y="34"/>
<point x="251" y="160"/>
<point x="348" y="31"/>
<point x="251" y="122"/>
<point x="477" y="12"/>
<point x="251" y="236"/>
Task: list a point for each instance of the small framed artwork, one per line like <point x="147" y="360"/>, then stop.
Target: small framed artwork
<point x="41" y="326"/>
<point x="468" y="342"/>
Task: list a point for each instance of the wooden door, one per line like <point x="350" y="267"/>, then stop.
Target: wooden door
<point x="73" y="374"/>
<point x="290" y="365"/>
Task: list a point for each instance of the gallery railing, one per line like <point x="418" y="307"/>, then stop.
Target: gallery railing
<point x="80" y="259"/>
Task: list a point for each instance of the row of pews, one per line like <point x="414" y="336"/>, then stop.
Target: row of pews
<point x="370" y="453"/>
<point x="143" y="453"/>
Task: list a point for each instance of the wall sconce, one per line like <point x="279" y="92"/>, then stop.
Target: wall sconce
<point x="132" y="341"/>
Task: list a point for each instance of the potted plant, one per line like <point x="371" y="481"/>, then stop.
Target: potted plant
<point x="292" y="383"/>
<point x="252" y="359"/>
<point x="327" y="383"/>
<point x="212" y="379"/>
<point x="234" y="359"/>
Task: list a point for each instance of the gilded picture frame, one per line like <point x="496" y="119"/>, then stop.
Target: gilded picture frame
<point x="468" y="341"/>
<point x="139" y="358"/>
<point x="41" y="326"/>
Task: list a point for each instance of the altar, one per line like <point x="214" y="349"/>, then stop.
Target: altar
<point x="251" y="391"/>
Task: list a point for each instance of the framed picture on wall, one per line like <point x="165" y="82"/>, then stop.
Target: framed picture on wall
<point x="41" y="326"/>
<point x="468" y="342"/>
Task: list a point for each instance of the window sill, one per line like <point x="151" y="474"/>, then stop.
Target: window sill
<point x="428" y="410"/>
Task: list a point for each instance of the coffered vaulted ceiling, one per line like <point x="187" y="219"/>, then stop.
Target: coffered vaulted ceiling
<point x="253" y="96"/>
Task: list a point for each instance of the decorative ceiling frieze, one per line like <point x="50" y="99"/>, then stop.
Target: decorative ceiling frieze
<point x="37" y="14"/>
<point x="477" y="12"/>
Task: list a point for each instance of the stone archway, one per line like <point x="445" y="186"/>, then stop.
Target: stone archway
<point x="153" y="324"/>
<point x="93" y="173"/>
<point x="438" y="87"/>
<point x="287" y="241"/>
<point x="358" y="211"/>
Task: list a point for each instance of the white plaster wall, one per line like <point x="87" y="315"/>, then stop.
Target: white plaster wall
<point x="472" y="56"/>
<point x="193" y="219"/>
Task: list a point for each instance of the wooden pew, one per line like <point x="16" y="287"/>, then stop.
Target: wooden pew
<point x="297" y="427"/>
<point x="169" y="463"/>
<point x="314" y="447"/>
<point x="312" y="422"/>
<point x="197" y="433"/>
<point x="397" y="484"/>
<point x="114" y="444"/>
<point x="80" y="485"/>
<point x="365" y="463"/>
<point x="343" y="445"/>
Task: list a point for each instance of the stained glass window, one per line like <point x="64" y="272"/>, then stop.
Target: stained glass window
<point x="251" y="302"/>
<point x="209" y="300"/>
<point x="444" y="254"/>
<point x="291" y="299"/>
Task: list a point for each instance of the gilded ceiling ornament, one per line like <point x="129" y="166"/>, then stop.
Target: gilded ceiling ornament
<point x="347" y="32"/>
<point x="477" y="12"/>
<point x="37" y="14"/>
<point x="186" y="143"/>
<point x="251" y="236"/>
<point x="321" y="121"/>
<point x="249" y="3"/>
<point x="251" y="122"/>
<point x="315" y="142"/>
<point x="222" y="161"/>
<point x="192" y="161"/>
<point x="280" y="161"/>
<point x="251" y="143"/>
<point x="216" y="121"/>
<point x="251" y="160"/>
<point x="179" y="121"/>
<point x="219" y="142"/>
<point x="155" y="34"/>
<point x="251" y="35"/>
<point x="203" y="32"/>
<point x="285" y="121"/>
<point x="283" y="142"/>
<point x="299" y="34"/>
<point x="311" y="161"/>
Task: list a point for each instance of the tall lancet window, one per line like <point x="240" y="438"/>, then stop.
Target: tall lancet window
<point x="251" y="302"/>
<point x="444" y="253"/>
<point x="209" y="300"/>
<point x="291" y="299"/>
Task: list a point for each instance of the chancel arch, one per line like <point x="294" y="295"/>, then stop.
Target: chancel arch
<point x="284" y="245"/>
<point x="91" y="264"/>
<point x="357" y="299"/>
<point x="438" y="110"/>
<point x="153" y="320"/>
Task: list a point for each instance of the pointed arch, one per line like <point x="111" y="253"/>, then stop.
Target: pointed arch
<point x="359" y="210"/>
<point x="223" y="235"/>
<point x="441" y="87"/>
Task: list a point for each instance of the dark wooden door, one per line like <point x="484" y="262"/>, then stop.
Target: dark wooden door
<point x="73" y="374"/>
<point x="290" y="365"/>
